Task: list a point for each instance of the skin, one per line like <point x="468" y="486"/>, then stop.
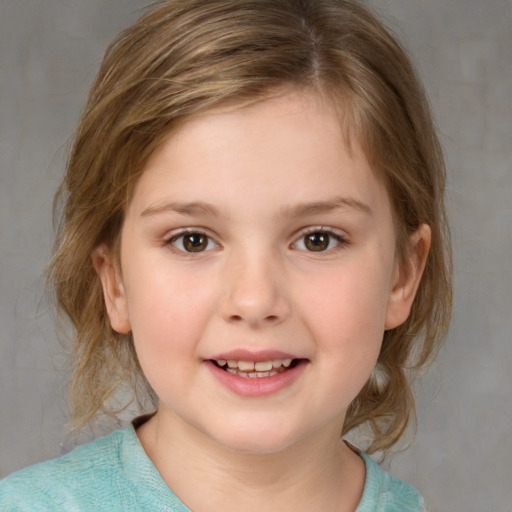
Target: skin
<point x="256" y="181"/>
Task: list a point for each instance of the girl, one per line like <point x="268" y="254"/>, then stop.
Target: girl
<point x="254" y="234"/>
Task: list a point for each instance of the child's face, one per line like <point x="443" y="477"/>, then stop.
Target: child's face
<point x="255" y="235"/>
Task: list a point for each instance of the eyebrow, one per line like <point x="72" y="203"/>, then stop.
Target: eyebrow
<point x="330" y="205"/>
<point x="190" y="209"/>
<point x="200" y="208"/>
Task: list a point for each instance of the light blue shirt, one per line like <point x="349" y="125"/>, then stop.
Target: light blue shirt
<point x="114" y="473"/>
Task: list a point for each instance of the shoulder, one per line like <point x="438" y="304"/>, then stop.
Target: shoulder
<point x="384" y="492"/>
<point x="112" y="473"/>
<point x="67" y="482"/>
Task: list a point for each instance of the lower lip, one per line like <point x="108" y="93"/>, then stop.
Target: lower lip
<point x="258" y="386"/>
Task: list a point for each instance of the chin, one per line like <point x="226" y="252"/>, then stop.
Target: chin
<point x="257" y="439"/>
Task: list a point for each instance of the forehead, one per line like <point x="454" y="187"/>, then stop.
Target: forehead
<point x="288" y="147"/>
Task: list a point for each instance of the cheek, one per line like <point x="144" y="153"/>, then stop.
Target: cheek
<point x="351" y="302"/>
<point x="345" y="312"/>
<point x="168" y="313"/>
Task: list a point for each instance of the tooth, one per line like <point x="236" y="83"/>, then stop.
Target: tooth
<point x="263" y="366"/>
<point x="259" y="369"/>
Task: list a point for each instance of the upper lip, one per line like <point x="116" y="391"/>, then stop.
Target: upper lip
<point x="255" y="356"/>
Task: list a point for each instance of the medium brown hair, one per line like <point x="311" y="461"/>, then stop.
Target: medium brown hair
<point x="186" y="57"/>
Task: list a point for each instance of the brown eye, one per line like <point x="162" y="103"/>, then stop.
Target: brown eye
<point x="322" y="240"/>
<point x="193" y="242"/>
<point x="318" y="241"/>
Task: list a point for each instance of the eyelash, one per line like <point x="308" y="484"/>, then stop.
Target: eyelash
<point x="332" y="235"/>
<point x="341" y="240"/>
<point x="190" y="231"/>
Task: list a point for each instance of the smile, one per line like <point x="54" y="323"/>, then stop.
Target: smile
<point x="256" y="374"/>
<point x="254" y="370"/>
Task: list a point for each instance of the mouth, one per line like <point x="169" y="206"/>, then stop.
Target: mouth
<point x="256" y="370"/>
<point x="257" y="374"/>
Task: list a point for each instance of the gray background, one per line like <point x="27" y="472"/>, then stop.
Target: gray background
<point x="49" y="53"/>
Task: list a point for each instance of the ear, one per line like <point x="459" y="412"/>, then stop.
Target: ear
<point x="407" y="277"/>
<point x="113" y="289"/>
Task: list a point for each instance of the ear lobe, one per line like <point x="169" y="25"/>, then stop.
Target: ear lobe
<point x="113" y="289"/>
<point x="407" y="277"/>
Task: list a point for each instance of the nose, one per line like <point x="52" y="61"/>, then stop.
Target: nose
<point x="255" y="292"/>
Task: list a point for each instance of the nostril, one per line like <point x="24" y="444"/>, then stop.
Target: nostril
<point x="240" y="318"/>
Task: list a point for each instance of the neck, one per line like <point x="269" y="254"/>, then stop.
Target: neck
<point x="317" y="473"/>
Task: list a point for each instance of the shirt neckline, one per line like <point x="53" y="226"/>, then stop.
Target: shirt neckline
<point x="139" y="468"/>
